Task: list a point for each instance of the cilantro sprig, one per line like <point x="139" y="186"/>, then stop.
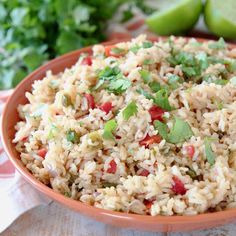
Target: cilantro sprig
<point x="210" y="155"/>
<point x="113" y="80"/>
<point x="130" y="110"/>
<point x="33" y="32"/>
<point x="109" y="128"/>
<point x="220" y="44"/>
<point x="180" y="132"/>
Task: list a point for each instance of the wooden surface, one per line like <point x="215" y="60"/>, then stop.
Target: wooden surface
<point x="55" y="220"/>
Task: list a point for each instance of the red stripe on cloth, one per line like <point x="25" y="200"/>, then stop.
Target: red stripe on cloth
<point x="7" y="168"/>
<point x="4" y="98"/>
<point x="1" y="150"/>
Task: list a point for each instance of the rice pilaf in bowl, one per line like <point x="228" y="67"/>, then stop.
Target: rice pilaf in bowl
<point x="139" y="127"/>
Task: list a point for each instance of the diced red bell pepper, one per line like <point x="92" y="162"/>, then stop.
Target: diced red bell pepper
<point x="156" y="113"/>
<point x="112" y="167"/>
<point x="190" y="150"/>
<point x="178" y="186"/>
<point x="118" y="137"/>
<point x="90" y="100"/>
<point x="42" y="152"/>
<point x="87" y="61"/>
<point x="144" y="172"/>
<point x="106" y="107"/>
<point x="148" y="203"/>
<point x="150" y="140"/>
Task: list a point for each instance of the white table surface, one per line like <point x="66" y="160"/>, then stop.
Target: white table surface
<point x="56" y="220"/>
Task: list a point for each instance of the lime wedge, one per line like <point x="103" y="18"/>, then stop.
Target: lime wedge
<point x="220" y="17"/>
<point x="175" y="17"/>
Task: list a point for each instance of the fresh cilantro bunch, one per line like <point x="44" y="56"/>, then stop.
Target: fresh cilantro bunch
<point x="34" y="31"/>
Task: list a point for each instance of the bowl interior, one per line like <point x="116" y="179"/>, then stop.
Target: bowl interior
<point x="159" y="223"/>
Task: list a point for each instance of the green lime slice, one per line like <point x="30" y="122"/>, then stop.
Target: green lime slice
<point x="175" y="17"/>
<point x="220" y="17"/>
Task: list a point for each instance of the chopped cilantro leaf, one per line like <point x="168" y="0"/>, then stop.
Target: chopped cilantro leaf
<point x="210" y="155"/>
<point x="72" y="136"/>
<point x="220" y="44"/>
<point x="209" y="80"/>
<point x="148" y="61"/>
<point x="162" y="129"/>
<point x="135" y="48"/>
<point x="180" y="132"/>
<point x="191" y="173"/>
<point x="233" y="80"/>
<point x="145" y="75"/>
<point x="221" y="81"/>
<point x="174" y="81"/>
<point x="109" y="127"/>
<point x="145" y="94"/>
<point x="147" y="44"/>
<point x="108" y="73"/>
<point x="119" y="86"/>
<point x="52" y="132"/>
<point x="118" y="50"/>
<point x="155" y="86"/>
<point x="130" y="110"/>
<point x="162" y="101"/>
<point x="66" y="100"/>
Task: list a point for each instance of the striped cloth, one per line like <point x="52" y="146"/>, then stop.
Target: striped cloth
<point x="13" y="198"/>
<point x="16" y="196"/>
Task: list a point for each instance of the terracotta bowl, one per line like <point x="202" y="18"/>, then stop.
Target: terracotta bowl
<point x="126" y="220"/>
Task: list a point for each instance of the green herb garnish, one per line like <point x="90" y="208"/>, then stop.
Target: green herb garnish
<point x="148" y="61"/>
<point x="174" y="81"/>
<point x="233" y="80"/>
<point x="210" y="155"/>
<point x="145" y="75"/>
<point x="191" y="173"/>
<point x="66" y="100"/>
<point x="161" y="99"/>
<point x="118" y="51"/>
<point x="119" y="86"/>
<point x="220" y="44"/>
<point x="52" y="132"/>
<point x="145" y="94"/>
<point x="109" y="127"/>
<point x="135" y="48"/>
<point x="130" y="110"/>
<point x="147" y="44"/>
<point x="180" y="132"/>
<point x="154" y="86"/>
<point x="72" y="136"/>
